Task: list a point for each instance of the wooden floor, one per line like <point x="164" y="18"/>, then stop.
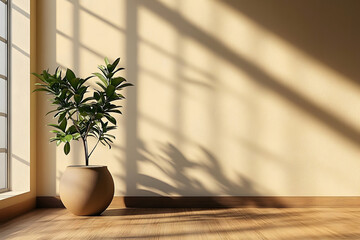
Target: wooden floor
<point x="236" y="223"/>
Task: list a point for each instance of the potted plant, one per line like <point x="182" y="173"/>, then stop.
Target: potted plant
<point x="83" y="111"/>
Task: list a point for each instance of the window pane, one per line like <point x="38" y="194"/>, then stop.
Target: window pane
<point x="3" y="58"/>
<point x="3" y="173"/>
<point x="3" y="154"/>
<point x="3" y="96"/>
<point x="3" y="20"/>
<point x="3" y="133"/>
<point x="3" y="116"/>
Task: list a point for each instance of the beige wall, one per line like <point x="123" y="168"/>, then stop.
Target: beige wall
<point x="231" y="97"/>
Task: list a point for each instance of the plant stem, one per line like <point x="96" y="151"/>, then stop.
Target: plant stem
<point x="75" y="125"/>
<point x="94" y="147"/>
<point x="84" y="140"/>
<point x="86" y="151"/>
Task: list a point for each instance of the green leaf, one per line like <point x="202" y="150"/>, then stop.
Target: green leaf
<point x="71" y="130"/>
<point x="76" y="136"/>
<point x="108" y="139"/>
<point x="41" y="84"/>
<point x="61" y="117"/>
<point x="63" y="125"/>
<point x="84" y="80"/>
<point x="120" y="95"/>
<point x="55" y="131"/>
<point x="74" y="82"/>
<point x="110" y="90"/>
<point x="119" y="69"/>
<point x="104" y="125"/>
<point x="84" y="109"/>
<point x="57" y="72"/>
<point x="116" y="81"/>
<point x="115" y="63"/>
<point x="115" y="97"/>
<point x="111" y="128"/>
<point x="62" y="95"/>
<point x="67" y="148"/>
<point x="104" y="70"/>
<point x="43" y="90"/>
<point x="77" y="98"/>
<point x="45" y="74"/>
<point x="69" y="74"/>
<point x="101" y="85"/>
<point x="55" y="126"/>
<point x="96" y="96"/>
<point x="102" y="78"/>
<point x="68" y="138"/>
<point x="87" y="99"/>
<point x="99" y="115"/>
<point x="112" y="106"/>
<point x="115" y="111"/>
<point x="59" y="112"/>
<point x="58" y="143"/>
<point x="111" y="119"/>
<point x="125" y="85"/>
<point x="39" y="77"/>
<point x="82" y="90"/>
<point x="106" y="61"/>
<point x="109" y="135"/>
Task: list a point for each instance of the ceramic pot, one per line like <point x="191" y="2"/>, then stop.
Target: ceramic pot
<point x="86" y="190"/>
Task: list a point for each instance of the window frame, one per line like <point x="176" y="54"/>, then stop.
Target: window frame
<point x="8" y="87"/>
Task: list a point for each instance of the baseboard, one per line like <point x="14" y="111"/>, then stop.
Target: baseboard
<point x="216" y="202"/>
<point x="15" y="210"/>
<point x="49" y="202"/>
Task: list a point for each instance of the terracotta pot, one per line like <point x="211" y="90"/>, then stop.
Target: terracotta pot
<point x="86" y="190"/>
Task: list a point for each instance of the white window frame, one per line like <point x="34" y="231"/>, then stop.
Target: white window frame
<point x="7" y="79"/>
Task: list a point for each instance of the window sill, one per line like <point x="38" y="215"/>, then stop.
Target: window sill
<point x="9" y="194"/>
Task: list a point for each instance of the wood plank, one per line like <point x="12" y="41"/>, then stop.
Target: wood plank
<point x="16" y="210"/>
<point x="188" y="223"/>
<point x="217" y="202"/>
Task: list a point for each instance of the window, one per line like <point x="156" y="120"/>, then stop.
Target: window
<point x="4" y="78"/>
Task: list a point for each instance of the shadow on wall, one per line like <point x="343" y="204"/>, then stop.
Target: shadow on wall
<point x="178" y="171"/>
<point x="173" y="165"/>
<point x="262" y="78"/>
<point x="299" y="30"/>
<point x="178" y="167"/>
<point x="323" y="29"/>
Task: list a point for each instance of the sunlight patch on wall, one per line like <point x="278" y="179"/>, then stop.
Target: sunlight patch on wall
<point x="64" y="57"/>
<point x="101" y="37"/>
<point x="110" y="13"/>
<point x="65" y="24"/>
<point x="289" y="65"/>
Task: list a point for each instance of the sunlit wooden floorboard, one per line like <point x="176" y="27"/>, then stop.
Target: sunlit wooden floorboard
<point x="235" y="223"/>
